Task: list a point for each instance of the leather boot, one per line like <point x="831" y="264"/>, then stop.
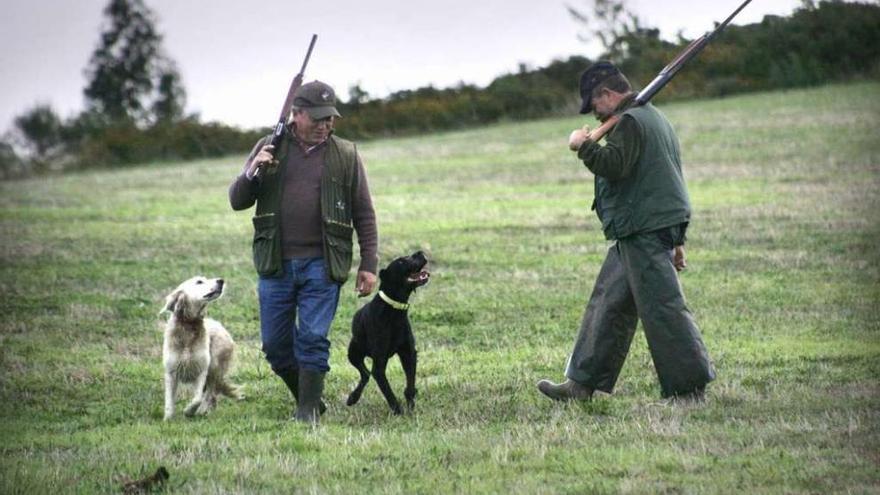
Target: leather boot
<point x="291" y="379"/>
<point x="311" y="386"/>
<point x="567" y="390"/>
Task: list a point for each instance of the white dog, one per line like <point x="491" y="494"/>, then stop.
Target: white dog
<point x="197" y="351"/>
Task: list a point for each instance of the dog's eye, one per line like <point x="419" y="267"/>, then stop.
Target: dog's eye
<point x="199" y="282"/>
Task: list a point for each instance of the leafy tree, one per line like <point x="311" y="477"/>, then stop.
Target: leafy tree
<point x="128" y="67"/>
<point x="40" y="130"/>
<point x="171" y="97"/>
<point x="611" y="22"/>
<point x="357" y="95"/>
<point x="10" y="163"/>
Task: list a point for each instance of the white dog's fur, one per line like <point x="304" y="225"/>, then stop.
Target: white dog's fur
<point x="197" y="351"/>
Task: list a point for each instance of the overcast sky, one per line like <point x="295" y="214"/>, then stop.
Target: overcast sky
<point x="237" y="57"/>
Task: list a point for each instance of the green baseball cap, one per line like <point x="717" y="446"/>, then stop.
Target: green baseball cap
<point x="316" y="98"/>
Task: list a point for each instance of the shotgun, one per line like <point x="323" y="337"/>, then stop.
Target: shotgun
<point x="278" y="133"/>
<point x="668" y="72"/>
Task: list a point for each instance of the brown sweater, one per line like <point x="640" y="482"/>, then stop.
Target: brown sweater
<point x="301" y="206"/>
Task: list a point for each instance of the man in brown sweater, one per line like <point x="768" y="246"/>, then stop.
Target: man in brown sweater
<point x="311" y="195"/>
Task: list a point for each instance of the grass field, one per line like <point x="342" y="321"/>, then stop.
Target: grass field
<point x="783" y="280"/>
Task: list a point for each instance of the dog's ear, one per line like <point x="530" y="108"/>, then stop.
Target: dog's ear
<point x="171" y="301"/>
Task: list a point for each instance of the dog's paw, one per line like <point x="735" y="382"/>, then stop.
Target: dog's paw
<point x="192" y="408"/>
<point x="234" y="392"/>
<point x="204" y="407"/>
<point x="410" y="394"/>
<point x="353" y="399"/>
<point x="237" y="393"/>
<point x="396" y="409"/>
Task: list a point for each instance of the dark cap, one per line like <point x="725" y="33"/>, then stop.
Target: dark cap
<point x="591" y="78"/>
<point x="316" y="98"/>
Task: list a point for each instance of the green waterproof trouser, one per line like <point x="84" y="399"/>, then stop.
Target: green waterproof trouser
<point x="638" y="281"/>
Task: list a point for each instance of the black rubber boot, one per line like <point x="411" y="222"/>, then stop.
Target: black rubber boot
<point x="311" y="386"/>
<point x="291" y="379"/>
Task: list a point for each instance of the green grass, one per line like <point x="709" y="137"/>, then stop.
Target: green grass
<point x="783" y="280"/>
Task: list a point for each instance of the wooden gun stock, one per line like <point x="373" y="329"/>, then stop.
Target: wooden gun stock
<point x="599" y="132"/>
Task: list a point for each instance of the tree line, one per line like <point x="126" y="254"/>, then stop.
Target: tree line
<point x="135" y="98"/>
<point x="134" y="112"/>
<point x="818" y="43"/>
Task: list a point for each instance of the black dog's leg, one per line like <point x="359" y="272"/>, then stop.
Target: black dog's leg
<point x="356" y="358"/>
<point x="381" y="380"/>
<point x="407" y="354"/>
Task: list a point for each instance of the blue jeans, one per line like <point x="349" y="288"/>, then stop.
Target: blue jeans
<point x="306" y="291"/>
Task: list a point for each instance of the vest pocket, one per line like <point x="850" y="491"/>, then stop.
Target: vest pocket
<point x="338" y="249"/>
<point x="267" y="245"/>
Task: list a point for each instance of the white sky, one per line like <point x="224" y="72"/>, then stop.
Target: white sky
<point x="237" y="57"/>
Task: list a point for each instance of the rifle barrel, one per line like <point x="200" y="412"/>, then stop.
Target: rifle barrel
<point x="312" y="45"/>
<point x="668" y="72"/>
<point x="730" y="18"/>
<point x="278" y="132"/>
<point x="691" y="51"/>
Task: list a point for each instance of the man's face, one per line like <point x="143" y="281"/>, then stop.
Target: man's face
<point x="311" y="131"/>
<point x="604" y="104"/>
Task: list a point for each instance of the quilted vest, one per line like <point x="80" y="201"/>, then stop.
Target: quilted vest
<point x="654" y="195"/>
<point x="338" y="181"/>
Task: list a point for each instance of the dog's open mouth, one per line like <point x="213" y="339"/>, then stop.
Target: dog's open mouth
<point x="419" y="278"/>
<point x="214" y="294"/>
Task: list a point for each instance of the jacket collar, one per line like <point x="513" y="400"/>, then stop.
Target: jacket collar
<point x="626" y="103"/>
<point x="307" y="148"/>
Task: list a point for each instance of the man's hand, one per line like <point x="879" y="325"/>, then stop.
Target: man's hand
<point x="678" y="258"/>
<point x="264" y="157"/>
<point x="365" y="284"/>
<point x="578" y="137"/>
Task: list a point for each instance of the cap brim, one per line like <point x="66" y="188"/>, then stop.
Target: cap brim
<point x="586" y="106"/>
<point x="318" y="113"/>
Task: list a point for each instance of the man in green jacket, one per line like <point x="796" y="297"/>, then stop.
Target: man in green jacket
<point x="642" y="202"/>
<point x="311" y="197"/>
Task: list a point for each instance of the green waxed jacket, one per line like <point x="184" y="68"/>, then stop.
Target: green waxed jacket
<point x="639" y="186"/>
<point x="338" y="184"/>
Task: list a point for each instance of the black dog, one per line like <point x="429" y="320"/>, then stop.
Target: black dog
<point x="381" y="329"/>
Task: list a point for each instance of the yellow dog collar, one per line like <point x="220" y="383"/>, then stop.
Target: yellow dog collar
<point x="394" y="304"/>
